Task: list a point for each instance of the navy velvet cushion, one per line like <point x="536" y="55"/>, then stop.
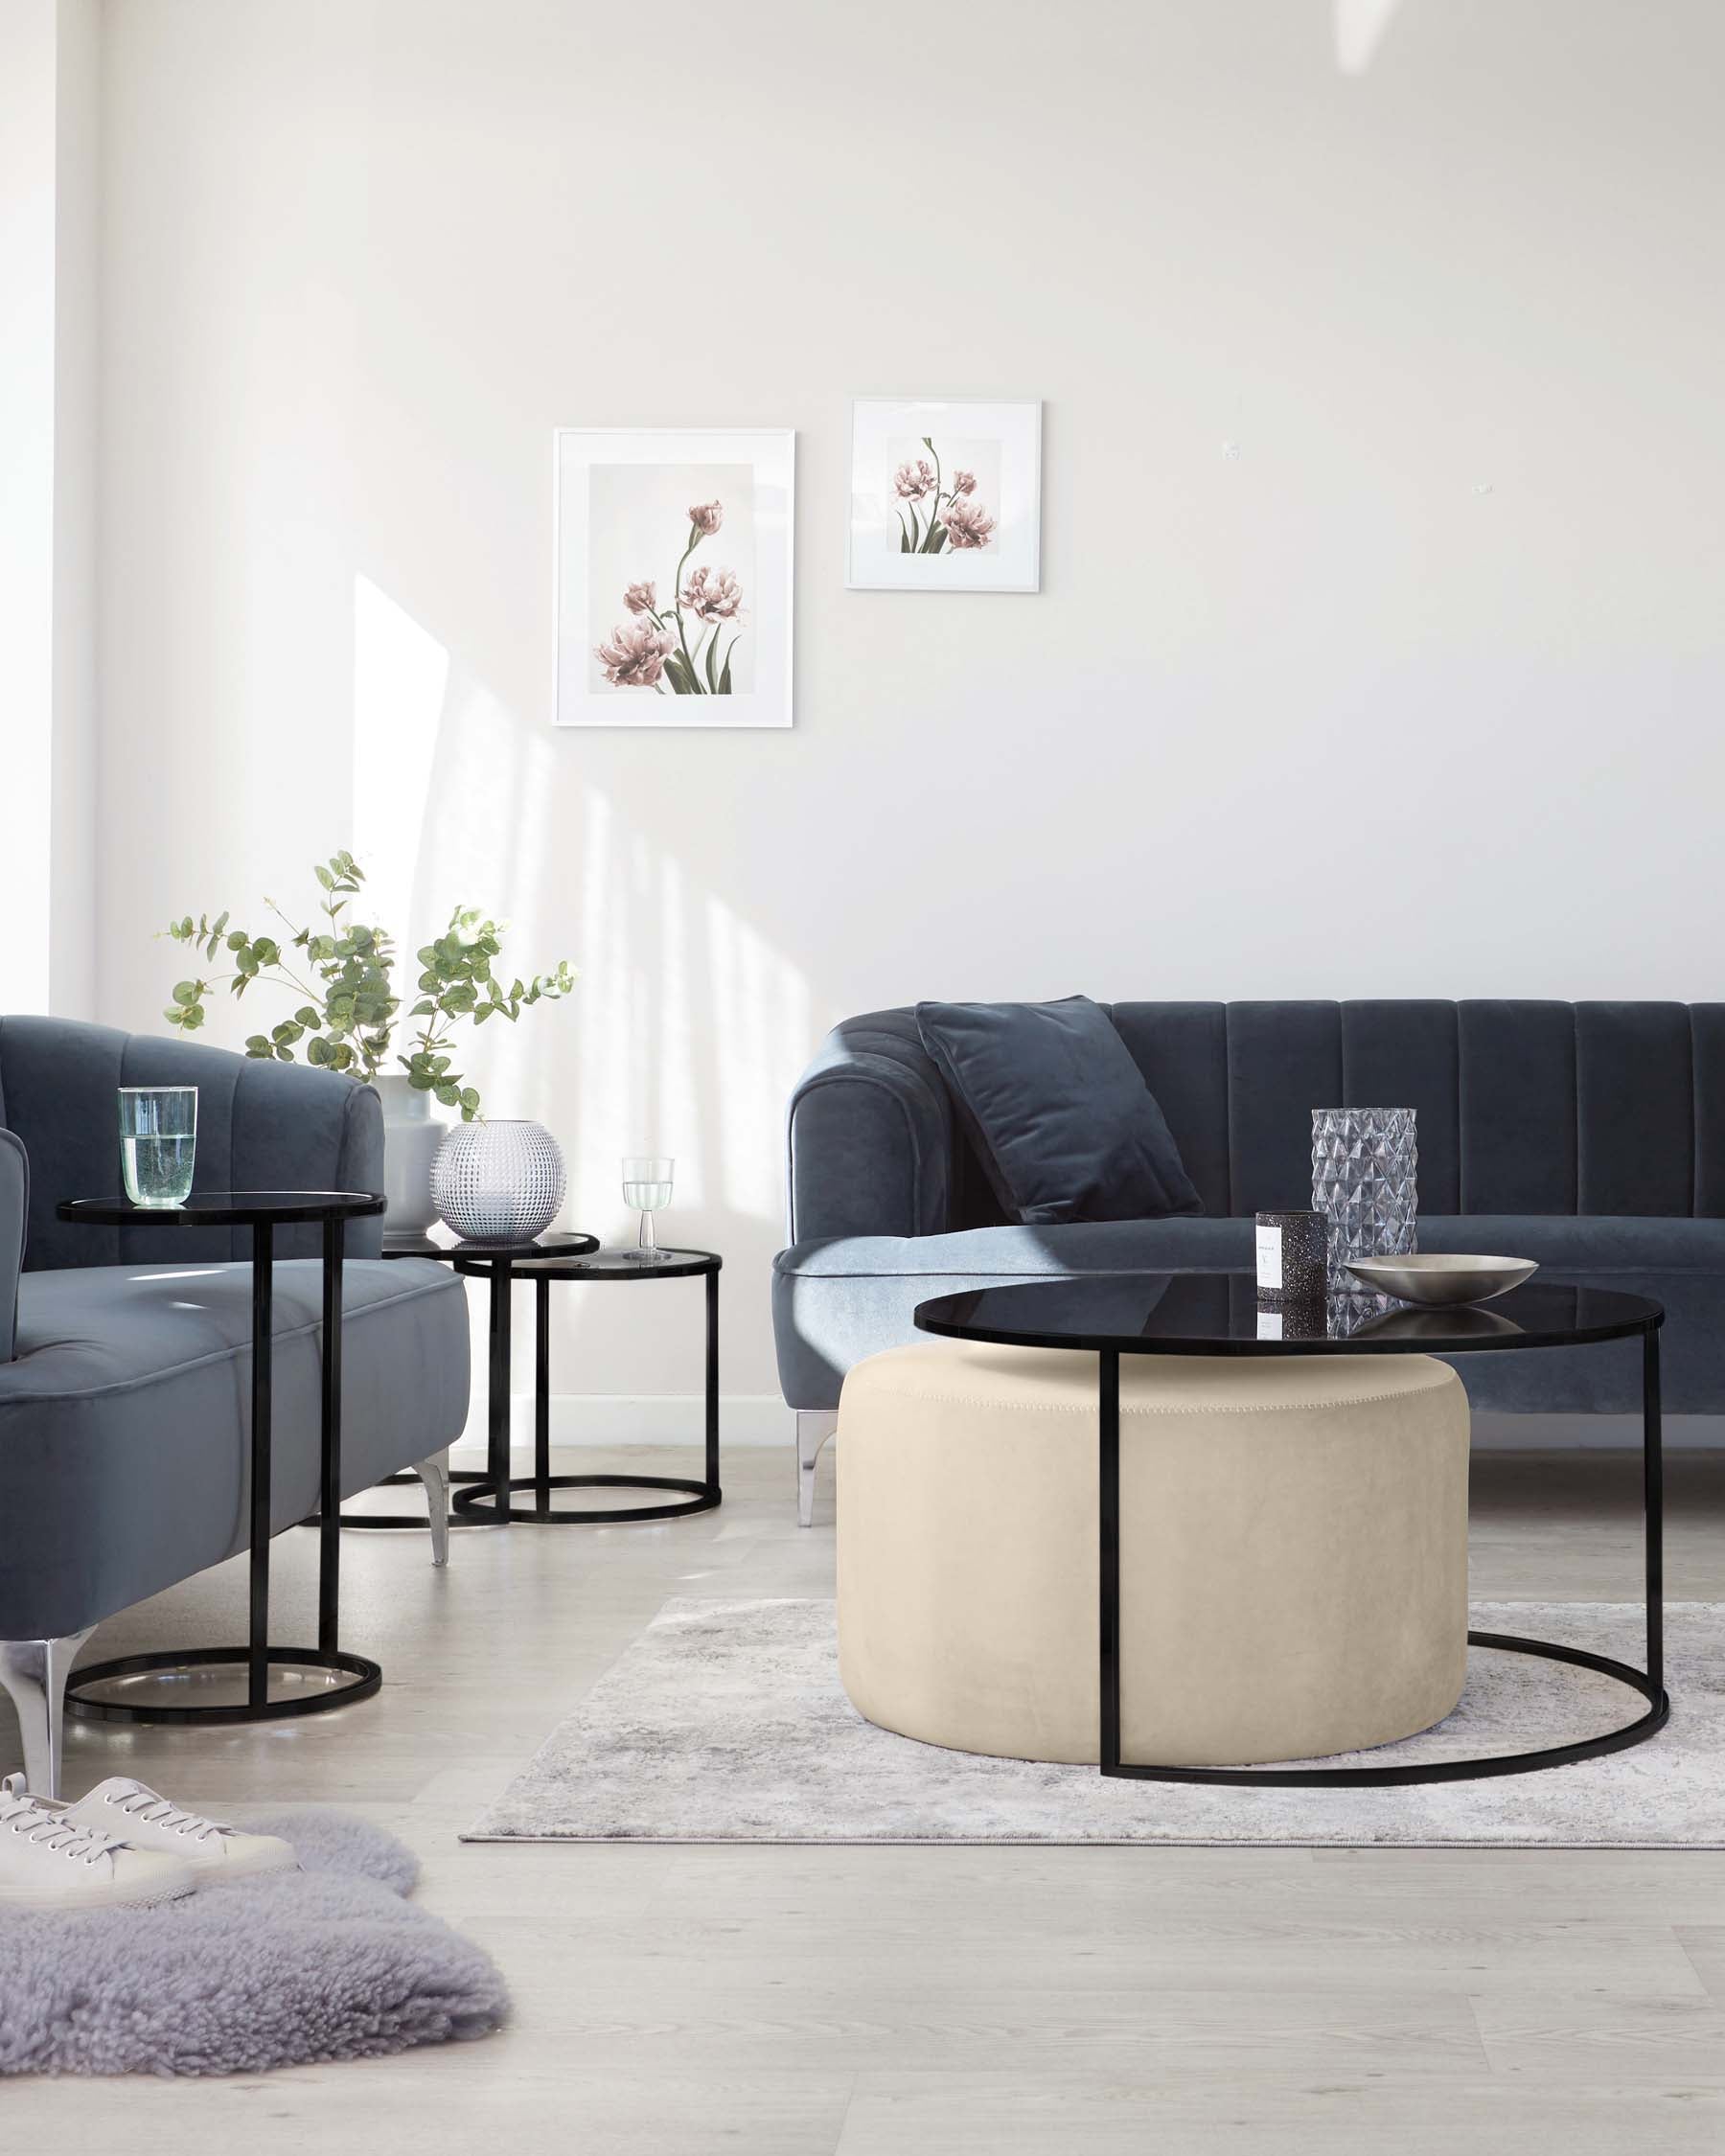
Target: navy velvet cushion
<point x="1058" y="1111"/>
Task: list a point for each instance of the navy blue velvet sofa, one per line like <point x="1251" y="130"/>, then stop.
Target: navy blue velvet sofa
<point x="126" y="1353"/>
<point x="1590" y="1137"/>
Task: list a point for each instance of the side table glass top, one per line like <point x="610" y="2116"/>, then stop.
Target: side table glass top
<point x="1217" y="1313"/>
<point x="225" y="1209"/>
<point x="564" y="1243"/>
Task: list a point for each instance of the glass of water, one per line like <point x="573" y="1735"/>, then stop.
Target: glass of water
<point x="158" y="1142"/>
<point x="646" y="1188"/>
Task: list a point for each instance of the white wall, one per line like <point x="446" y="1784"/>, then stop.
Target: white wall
<point x="1419" y="692"/>
<point x="77" y="346"/>
<point x="27" y="139"/>
<point x="48" y="501"/>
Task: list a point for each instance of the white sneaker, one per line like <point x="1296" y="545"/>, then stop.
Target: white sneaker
<point x="48" y="1861"/>
<point x="147" y="1820"/>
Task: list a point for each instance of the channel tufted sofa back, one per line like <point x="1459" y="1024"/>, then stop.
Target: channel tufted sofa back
<point x="1524" y="1108"/>
<point x="261" y="1126"/>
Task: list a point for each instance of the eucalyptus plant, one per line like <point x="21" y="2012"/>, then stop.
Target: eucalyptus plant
<point x="343" y="969"/>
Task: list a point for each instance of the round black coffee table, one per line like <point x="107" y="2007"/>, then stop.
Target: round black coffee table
<point x="1216" y="1314"/>
<point x="262" y="1211"/>
<point x="481" y="1503"/>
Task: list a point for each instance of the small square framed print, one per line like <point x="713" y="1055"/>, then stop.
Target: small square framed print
<point x="945" y="495"/>
<point x="675" y="551"/>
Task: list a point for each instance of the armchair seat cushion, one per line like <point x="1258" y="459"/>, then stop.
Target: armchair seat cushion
<point x="125" y="1418"/>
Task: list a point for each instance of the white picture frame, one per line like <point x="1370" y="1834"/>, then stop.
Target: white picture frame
<point x="662" y="620"/>
<point x="986" y="533"/>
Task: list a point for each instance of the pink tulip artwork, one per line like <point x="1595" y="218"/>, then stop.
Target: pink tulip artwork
<point x="678" y="644"/>
<point x="942" y="512"/>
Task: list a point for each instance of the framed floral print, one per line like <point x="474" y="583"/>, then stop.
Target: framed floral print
<point x="944" y="496"/>
<point x="673" y="550"/>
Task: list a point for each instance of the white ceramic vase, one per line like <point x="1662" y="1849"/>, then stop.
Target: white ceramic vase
<point x="410" y="1143"/>
<point x="498" y="1182"/>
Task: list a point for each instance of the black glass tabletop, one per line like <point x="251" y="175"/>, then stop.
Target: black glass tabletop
<point x="623" y="1263"/>
<point x="559" y="1242"/>
<point x="224" y="1208"/>
<point x="1218" y="1314"/>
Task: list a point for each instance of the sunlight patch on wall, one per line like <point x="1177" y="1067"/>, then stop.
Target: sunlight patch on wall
<point x="1360" y="28"/>
<point x="765" y="1029"/>
<point x="401" y="673"/>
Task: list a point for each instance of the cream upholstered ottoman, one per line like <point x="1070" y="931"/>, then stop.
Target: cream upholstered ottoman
<point x="1293" y="1551"/>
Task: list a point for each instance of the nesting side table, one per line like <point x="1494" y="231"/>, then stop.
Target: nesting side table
<point x="489" y="1502"/>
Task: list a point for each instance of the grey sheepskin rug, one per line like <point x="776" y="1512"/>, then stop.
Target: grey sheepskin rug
<point x="725" y="1722"/>
<point x="330" y="1961"/>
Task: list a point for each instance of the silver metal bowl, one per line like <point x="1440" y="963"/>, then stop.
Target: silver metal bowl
<point x="1443" y="1279"/>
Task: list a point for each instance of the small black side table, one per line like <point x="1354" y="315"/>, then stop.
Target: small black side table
<point x="410" y="1242"/>
<point x="482" y="1504"/>
<point x="262" y="1211"/>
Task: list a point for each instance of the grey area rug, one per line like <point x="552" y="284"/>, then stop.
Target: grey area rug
<point x="725" y="1722"/>
<point x="330" y="1961"/>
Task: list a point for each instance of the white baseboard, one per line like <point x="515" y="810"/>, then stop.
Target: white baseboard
<point x="624" y="1418"/>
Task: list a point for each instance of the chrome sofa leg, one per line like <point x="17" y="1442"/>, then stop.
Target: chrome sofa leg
<point x="434" y="1474"/>
<point x="34" y="1672"/>
<point x="813" y="1427"/>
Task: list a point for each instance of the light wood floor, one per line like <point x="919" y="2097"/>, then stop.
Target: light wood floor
<point x="784" y="2002"/>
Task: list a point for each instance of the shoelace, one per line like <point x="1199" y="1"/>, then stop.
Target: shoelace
<point x="142" y="1802"/>
<point x="21" y="1814"/>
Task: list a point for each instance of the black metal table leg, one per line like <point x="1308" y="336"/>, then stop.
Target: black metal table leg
<point x="1649" y="1683"/>
<point x="329" y="1483"/>
<point x="712" y="1386"/>
<point x="1107" y="1556"/>
<point x="541" y="1399"/>
<point x="256" y="1680"/>
<point x="497" y="1451"/>
<point x="1653" y="1509"/>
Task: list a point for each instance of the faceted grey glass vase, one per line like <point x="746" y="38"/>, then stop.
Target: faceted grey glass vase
<point x="1365" y="1180"/>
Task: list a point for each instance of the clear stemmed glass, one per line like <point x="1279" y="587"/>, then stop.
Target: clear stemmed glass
<point x="646" y="1188"/>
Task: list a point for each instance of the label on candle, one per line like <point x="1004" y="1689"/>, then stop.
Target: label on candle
<point x="1270" y="1257"/>
<point x="1270" y="1324"/>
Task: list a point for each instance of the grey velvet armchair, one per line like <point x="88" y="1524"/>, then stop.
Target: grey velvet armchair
<point x="123" y="1352"/>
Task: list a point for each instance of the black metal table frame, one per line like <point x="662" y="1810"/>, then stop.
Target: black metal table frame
<point x="1649" y="1681"/>
<point x="478" y="1504"/>
<point x="395" y="1522"/>
<point x="257" y="1657"/>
